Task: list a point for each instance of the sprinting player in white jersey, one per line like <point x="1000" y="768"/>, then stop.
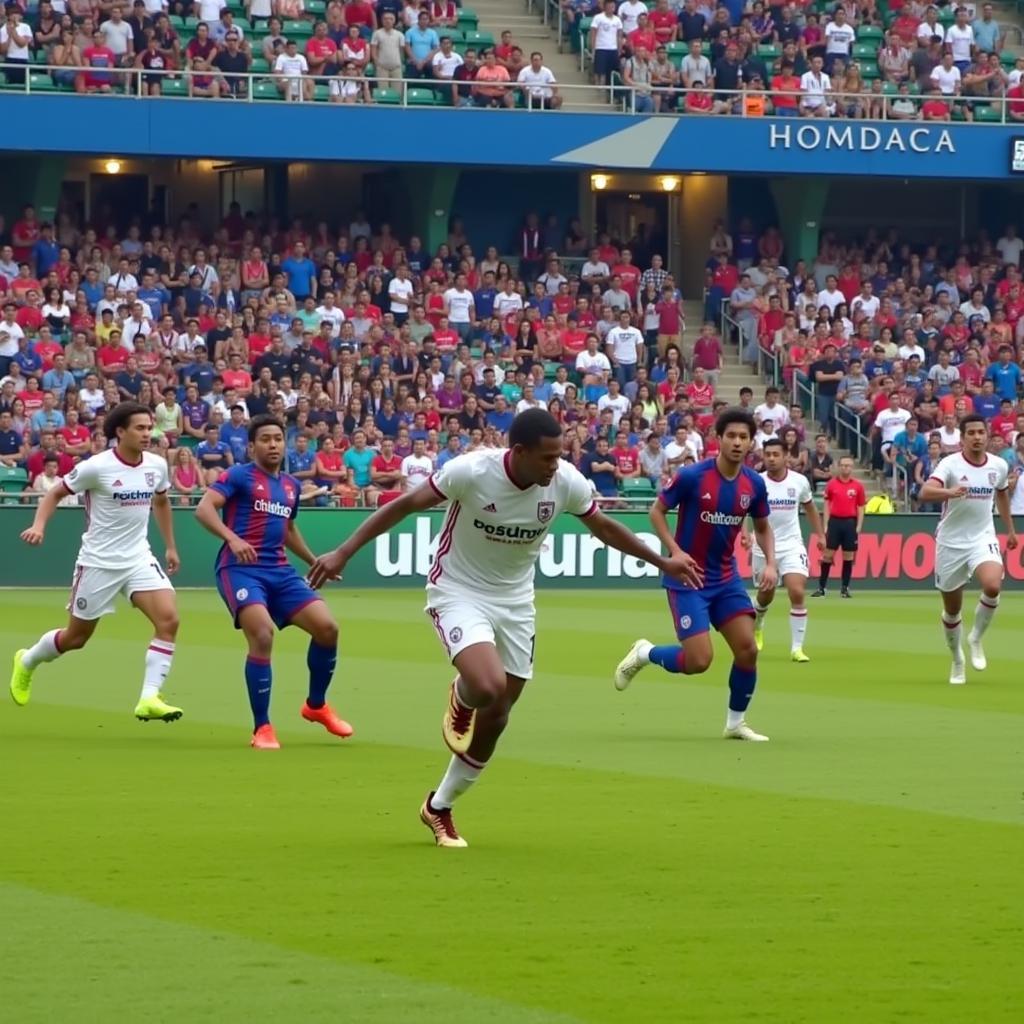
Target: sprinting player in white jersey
<point x="120" y="485"/>
<point x="480" y="589"/>
<point x="966" y="544"/>
<point x="788" y="492"/>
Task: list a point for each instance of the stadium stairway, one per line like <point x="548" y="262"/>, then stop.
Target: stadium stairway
<point x="529" y="32"/>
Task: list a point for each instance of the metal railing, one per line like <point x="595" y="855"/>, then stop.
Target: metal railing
<point x="769" y="366"/>
<point x="849" y="429"/>
<point x="805" y="394"/>
<point x="257" y="87"/>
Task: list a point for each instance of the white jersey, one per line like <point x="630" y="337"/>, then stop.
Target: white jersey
<point x="966" y="521"/>
<point x="494" y="529"/>
<point x="118" y="498"/>
<point x="785" y="498"/>
<point x="417" y="469"/>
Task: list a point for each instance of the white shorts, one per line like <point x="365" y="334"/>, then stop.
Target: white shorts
<point x="94" y="591"/>
<point x="792" y="561"/>
<point x="954" y="567"/>
<point x="461" y="621"/>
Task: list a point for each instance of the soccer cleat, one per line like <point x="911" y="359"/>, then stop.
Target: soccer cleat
<point x="441" y="824"/>
<point x="21" y="681"/>
<point x="978" y="660"/>
<point x="328" y="719"/>
<point x="632" y="663"/>
<point x="797" y="655"/>
<point x="958" y="670"/>
<point x="759" y="637"/>
<point x="154" y="709"/>
<point x="820" y="592"/>
<point x="265" y="739"/>
<point x="458" y="723"/>
<point x="744" y="732"/>
<point x="845" y="592"/>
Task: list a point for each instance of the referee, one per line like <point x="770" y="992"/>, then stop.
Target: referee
<point x="844" y="516"/>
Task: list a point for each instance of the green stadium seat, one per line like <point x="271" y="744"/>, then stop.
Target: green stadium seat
<point x="260" y="66"/>
<point x="988" y="113"/>
<point x="550" y="369"/>
<point x="40" y="81"/>
<point x="12" y="482"/>
<point x="468" y="20"/>
<point x="869" y="69"/>
<point x="321" y="93"/>
<point x="869" y="33"/>
<point x="173" y="87"/>
<point x="889" y="89"/>
<point x="677" y="49"/>
<point x="177" y="22"/>
<point x="415" y="97"/>
<point x="387" y="96"/>
<point x="1007" y="59"/>
<point x="769" y="51"/>
<point x="296" y="28"/>
<point x="479" y="39"/>
<point x="265" y="91"/>
<point x="191" y="23"/>
<point x="317" y="7"/>
<point x="640" y="487"/>
<point x="865" y="51"/>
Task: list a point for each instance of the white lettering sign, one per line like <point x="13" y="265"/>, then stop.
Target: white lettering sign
<point x="862" y="139"/>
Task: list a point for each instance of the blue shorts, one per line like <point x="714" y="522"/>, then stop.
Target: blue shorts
<point x="696" y="611"/>
<point x="282" y="591"/>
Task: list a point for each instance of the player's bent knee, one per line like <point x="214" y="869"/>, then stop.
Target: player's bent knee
<point x="261" y="639"/>
<point x="745" y="651"/>
<point x="326" y="634"/>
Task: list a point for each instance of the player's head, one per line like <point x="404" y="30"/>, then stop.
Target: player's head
<point x="845" y="467"/>
<point x="130" y="425"/>
<point x="535" y="439"/>
<point x="774" y="452"/>
<point x="974" y="435"/>
<point x="266" y="437"/>
<point x="735" y="429"/>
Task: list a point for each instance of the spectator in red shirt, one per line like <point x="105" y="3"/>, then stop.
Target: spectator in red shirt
<point x="934" y="108"/>
<point x="627" y="460"/>
<point x="707" y="353"/>
<point x="321" y="50"/>
<point x="665" y="23"/>
<point x="700" y="391"/>
<point x="361" y="13"/>
<point x="112" y="357"/>
<point x="1015" y="102"/>
<point x="785" y="91"/>
<point x="643" y="35"/>
<point x="629" y="273"/>
<point x="699" y="99"/>
<point x="99" y="55"/>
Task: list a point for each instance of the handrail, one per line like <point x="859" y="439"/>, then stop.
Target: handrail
<point x="807" y="388"/>
<point x="769" y="367"/>
<point x="850" y="423"/>
<point x="901" y="489"/>
<point x="584" y="95"/>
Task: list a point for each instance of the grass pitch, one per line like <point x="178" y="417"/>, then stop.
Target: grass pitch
<point x="626" y="864"/>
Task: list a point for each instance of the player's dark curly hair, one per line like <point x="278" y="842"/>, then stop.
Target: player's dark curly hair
<point x="121" y="415"/>
<point x="530" y="426"/>
<point x="735" y="415"/>
<point x="257" y="423"/>
<point x="973" y="417"/>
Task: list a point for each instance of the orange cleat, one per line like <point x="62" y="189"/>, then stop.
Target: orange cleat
<point x="328" y="719"/>
<point x="264" y="739"/>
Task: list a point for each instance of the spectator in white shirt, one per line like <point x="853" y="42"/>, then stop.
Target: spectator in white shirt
<point x="1010" y="246"/>
<point x="947" y="76"/>
<point x="839" y="37"/>
<point x="629" y="12"/>
<point x="606" y="37"/>
<point x="538" y="83"/>
<point x="625" y="345"/>
<point x="289" y="68"/>
<point x="459" y="308"/>
<point x="614" y="400"/>
<point x="816" y="90"/>
<point x="960" y="40"/>
<point x="866" y="303"/>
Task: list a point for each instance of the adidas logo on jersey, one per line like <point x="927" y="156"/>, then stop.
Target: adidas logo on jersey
<point x="706" y="496"/>
<point x="117" y="483"/>
<point x="489" y="508"/>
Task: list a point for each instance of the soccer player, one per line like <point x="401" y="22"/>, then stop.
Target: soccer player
<point x="480" y="589"/>
<point x="965" y="539"/>
<point x="713" y="498"/>
<point x="258" y="583"/>
<point x="120" y="486"/>
<point x="788" y="492"/>
<point x="844" y="518"/>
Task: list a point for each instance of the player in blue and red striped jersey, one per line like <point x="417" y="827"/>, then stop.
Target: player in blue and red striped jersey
<point x="260" y="586"/>
<point x="713" y="498"/>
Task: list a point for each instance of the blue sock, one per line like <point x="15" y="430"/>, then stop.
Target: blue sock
<point x="671" y="657"/>
<point x="742" y="683"/>
<point x="321" y="662"/>
<point x="257" y="681"/>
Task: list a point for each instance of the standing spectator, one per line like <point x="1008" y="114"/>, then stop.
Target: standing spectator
<point x="606" y="37"/>
<point x="695" y="67"/>
<point x="839" y="37"/>
<point x="959" y="40"/>
<point x="421" y="43"/>
<point x="15" y="45"/>
<point x="894" y="60"/>
<point x="988" y="37"/>
<point x="826" y="374"/>
<point x="387" y="45"/>
<point x="625" y="345"/>
<point x="445" y="62"/>
<point x="119" y="38"/>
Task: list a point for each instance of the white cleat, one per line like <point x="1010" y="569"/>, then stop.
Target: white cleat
<point x="958" y="671"/>
<point x="744" y="732"/>
<point x="635" y="660"/>
<point x="978" y="660"/>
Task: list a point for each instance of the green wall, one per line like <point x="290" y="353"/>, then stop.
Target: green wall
<point x="896" y="551"/>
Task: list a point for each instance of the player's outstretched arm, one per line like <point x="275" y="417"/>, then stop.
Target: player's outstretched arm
<point x="613" y="533"/>
<point x="1003" y="507"/>
<point x="932" y="491"/>
<point x="45" y="509"/>
<point x="296" y="543"/>
<point x="330" y="566"/>
<point x="208" y="515"/>
<point x="165" y="524"/>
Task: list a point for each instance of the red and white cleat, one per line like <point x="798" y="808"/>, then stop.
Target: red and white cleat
<point x="458" y="723"/>
<point x="265" y="739"/>
<point x="328" y="719"/>
<point x="441" y="824"/>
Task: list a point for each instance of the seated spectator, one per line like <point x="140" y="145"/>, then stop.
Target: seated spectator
<point x="489" y="88"/>
<point x="933" y="106"/>
<point x="1015" y="102"/>
<point x="816" y="89"/>
<point x="67" y="59"/>
<point x="539" y="85"/>
<point x="786" y="87"/>
<point x="291" y="71"/>
<point x="445" y="61"/>
<point x="349" y="86"/>
<point x="233" y="66"/>
<point x="94" y="57"/>
<point x="321" y="51"/>
<point x="202" y="81"/>
<point x="902" y="106"/>
<point x="894" y="60"/>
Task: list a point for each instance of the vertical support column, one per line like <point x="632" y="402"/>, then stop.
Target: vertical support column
<point x="800" y="204"/>
<point x="433" y="192"/>
<point x="704" y="199"/>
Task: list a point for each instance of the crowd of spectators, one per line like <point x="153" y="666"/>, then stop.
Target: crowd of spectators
<point x="918" y="61"/>
<point x="896" y="341"/>
<point x="382" y="358"/>
<point x="304" y="49"/>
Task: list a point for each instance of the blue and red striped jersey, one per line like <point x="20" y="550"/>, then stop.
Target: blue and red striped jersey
<point x="259" y="507"/>
<point x="711" y="510"/>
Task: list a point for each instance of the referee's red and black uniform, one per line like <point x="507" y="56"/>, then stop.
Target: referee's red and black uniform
<point x="845" y="499"/>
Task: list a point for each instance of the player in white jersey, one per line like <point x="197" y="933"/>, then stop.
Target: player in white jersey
<point x="966" y="544"/>
<point x="502" y="503"/>
<point x="788" y="492"/>
<point x="119" y="486"/>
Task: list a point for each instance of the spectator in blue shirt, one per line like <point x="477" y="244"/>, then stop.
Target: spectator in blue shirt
<point x="501" y="416"/>
<point x="60" y="378"/>
<point x="213" y="455"/>
<point x="202" y="372"/>
<point x="154" y="296"/>
<point x="987" y="403"/>
<point x="1004" y="374"/>
<point x="421" y="43"/>
<point x="451" y="450"/>
<point x="235" y="434"/>
<point x="877" y="365"/>
<point x="49" y="417"/>
<point x="358" y="460"/>
<point x="45" y="252"/>
<point x="907" y="447"/>
<point x="599" y="468"/>
<point x="26" y="359"/>
<point x="302" y="461"/>
<point x="301" y="273"/>
<point x="483" y="298"/>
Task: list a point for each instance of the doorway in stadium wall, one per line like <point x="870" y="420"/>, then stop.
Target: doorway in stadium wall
<point x="637" y="219"/>
<point x="114" y="198"/>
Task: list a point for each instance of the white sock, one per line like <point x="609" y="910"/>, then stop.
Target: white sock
<point x="43" y="650"/>
<point x="457" y="779"/>
<point x="797" y="627"/>
<point x="983" y="615"/>
<point x="733" y="718"/>
<point x="953" y="631"/>
<point x="459" y="684"/>
<point x="760" y="611"/>
<point x="158" y="663"/>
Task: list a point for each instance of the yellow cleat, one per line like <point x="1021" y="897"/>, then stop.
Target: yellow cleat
<point x="21" y="681"/>
<point x="441" y="824"/>
<point x="153" y="709"/>
<point x="798" y="656"/>
<point x="458" y="723"/>
<point x="759" y="637"/>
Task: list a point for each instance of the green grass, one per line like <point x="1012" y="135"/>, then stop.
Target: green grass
<point x="626" y="864"/>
